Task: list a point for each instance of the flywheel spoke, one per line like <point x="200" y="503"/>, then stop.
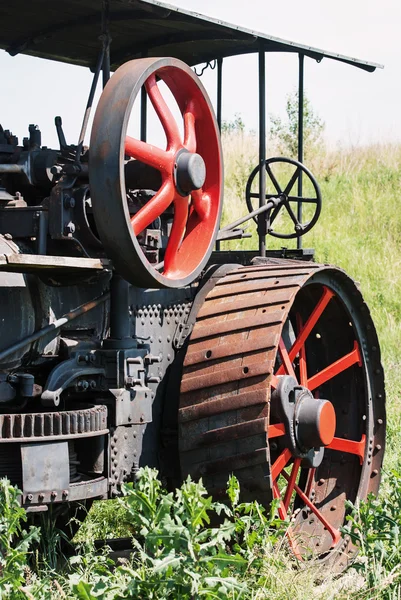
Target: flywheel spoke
<point x="177" y="234"/>
<point x="335" y="368"/>
<point x="309" y="325"/>
<point x="350" y="446"/>
<point x="148" y="154"/>
<point x="163" y="112"/>
<point x="189" y="128"/>
<point x="202" y="203"/>
<point x="154" y="208"/>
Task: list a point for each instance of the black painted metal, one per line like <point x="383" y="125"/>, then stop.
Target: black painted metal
<point x="106" y="40"/>
<point x="39" y="30"/>
<point x="300" y="135"/>
<point x="262" y="220"/>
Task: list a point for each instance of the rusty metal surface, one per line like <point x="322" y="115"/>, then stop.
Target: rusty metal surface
<point x="225" y="392"/>
<point x="47" y="426"/>
<point x="225" y="411"/>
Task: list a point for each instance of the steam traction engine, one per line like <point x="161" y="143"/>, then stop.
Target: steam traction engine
<point x="129" y="338"/>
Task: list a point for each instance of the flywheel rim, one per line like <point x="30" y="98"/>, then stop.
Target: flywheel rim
<point x="206" y="434"/>
<point x="187" y="161"/>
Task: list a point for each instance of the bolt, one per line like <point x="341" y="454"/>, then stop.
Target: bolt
<point x="65" y="493"/>
<point x="92" y="384"/>
<point x="378" y="447"/>
<point x="321" y="481"/>
<point x="375" y="472"/>
<point x="334" y="507"/>
<point x="69" y="229"/>
<point x="273" y="446"/>
<point x="41" y="497"/>
<point x="53" y="495"/>
<point x="29" y="497"/>
<point x="69" y="202"/>
<point x="380" y="421"/>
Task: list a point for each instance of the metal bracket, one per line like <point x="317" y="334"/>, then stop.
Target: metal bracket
<point x="62" y="376"/>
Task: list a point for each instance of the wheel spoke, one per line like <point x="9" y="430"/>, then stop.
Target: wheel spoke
<point x="291" y="213"/>
<point x="299" y="199"/>
<point x="309" y="325"/>
<point x="163" y="112"/>
<point x="349" y="446"/>
<point x="273" y="178"/>
<point x="284" y="516"/>
<point x="335" y="534"/>
<point x="275" y="430"/>
<point x="201" y="202"/>
<point x="148" y="154"/>
<point x="153" y="208"/>
<point x="275" y="212"/>
<point x="280" y="463"/>
<point x="291" y="483"/>
<point x="267" y="196"/>
<point x="189" y="128"/>
<point x="286" y="362"/>
<point x="309" y="482"/>
<point x="176" y="235"/>
<point x="335" y="368"/>
<point x="303" y="372"/>
<point x="290" y="184"/>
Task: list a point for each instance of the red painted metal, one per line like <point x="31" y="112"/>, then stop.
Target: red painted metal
<point x="291" y="483"/>
<point x="280" y="463"/>
<point x="286" y="362"/>
<point x="195" y="215"/>
<point x="276" y="430"/>
<point x="303" y="370"/>
<point x="309" y="325"/>
<point x="350" y="446"/>
<point x="335" y="534"/>
<point x="335" y="368"/>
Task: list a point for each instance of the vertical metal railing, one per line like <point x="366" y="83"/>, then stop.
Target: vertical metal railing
<point x="300" y="137"/>
<point x="262" y="151"/>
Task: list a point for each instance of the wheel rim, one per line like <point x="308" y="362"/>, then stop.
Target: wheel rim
<point x="322" y="307"/>
<point x="190" y="170"/>
<point x="284" y="193"/>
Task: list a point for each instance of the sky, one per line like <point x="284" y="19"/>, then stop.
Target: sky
<point x="356" y="107"/>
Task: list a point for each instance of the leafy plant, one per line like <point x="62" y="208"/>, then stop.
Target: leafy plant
<point x="285" y="132"/>
<point x="14" y="542"/>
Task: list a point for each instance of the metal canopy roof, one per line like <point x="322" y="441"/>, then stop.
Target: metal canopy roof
<point x="68" y="31"/>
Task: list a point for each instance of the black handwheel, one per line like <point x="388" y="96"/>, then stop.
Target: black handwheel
<point x="276" y="189"/>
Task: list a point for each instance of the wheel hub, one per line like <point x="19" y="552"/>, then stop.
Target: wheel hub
<point x="190" y="172"/>
<point x="315" y="421"/>
<point x="310" y="423"/>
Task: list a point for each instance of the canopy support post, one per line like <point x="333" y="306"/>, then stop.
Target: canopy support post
<point x="262" y="151"/>
<point x="219" y="106"/>
<point x="300" y="136"/>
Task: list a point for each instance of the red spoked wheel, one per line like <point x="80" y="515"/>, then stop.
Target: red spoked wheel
<point x="326" y="430"/>
<point x="189" y="173"/>
<point x="283" y="386"/>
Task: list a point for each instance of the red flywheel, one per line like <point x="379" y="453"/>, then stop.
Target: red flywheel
<point x="189" y="175"/>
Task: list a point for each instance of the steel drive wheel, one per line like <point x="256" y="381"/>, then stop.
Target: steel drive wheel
<point x="283" y="386"/>
<point x="190" y="174"/>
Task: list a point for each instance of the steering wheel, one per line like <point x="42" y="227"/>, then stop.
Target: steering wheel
<point x="284" y="194"/>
